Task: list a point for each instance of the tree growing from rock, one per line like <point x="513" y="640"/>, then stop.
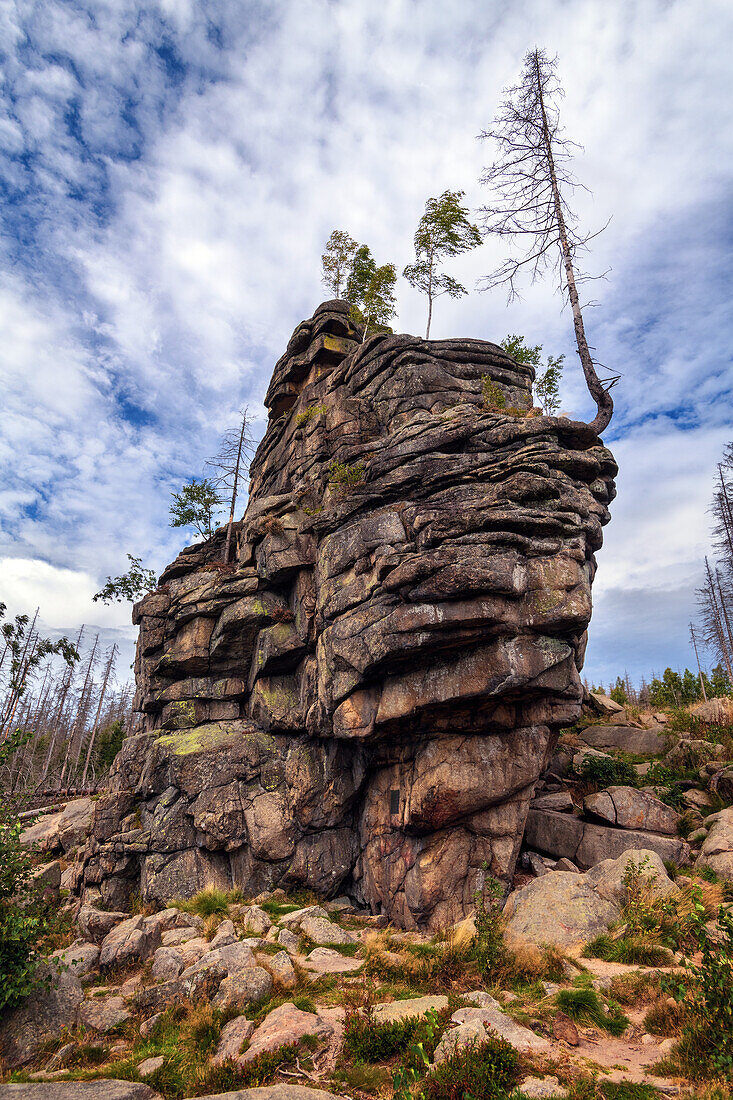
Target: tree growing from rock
<point x="547" y="384"/>
<point x="530" y="179"/>
<point x="336" y="261"/>
<point x="196" y="506"/>
<point x="370" y="290"/>
<point x="443" y="231"/>
<point x="229" y="467"/>
<point x="132" y="585"/>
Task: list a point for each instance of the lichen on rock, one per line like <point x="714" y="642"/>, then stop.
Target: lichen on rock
<point x="365" y="699"/>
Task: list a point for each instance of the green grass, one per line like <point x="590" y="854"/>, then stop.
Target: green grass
<point x="584" y="1004"/>
<point x="207" y="903"/>
<point x="277" y="909"/>
<point x="632" y="950"/>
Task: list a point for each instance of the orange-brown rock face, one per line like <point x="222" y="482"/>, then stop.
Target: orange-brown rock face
<point x="365" y="699"/>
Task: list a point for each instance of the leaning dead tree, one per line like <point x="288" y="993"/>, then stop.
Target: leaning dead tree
<point x="530" y="180"/>
<point x="229" y="463"/>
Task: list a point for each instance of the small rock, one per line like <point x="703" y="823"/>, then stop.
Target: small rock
<point x="256" y="920"/>
<point x="48" y="876"/>
<point x="148" y="1026"/>
<point x="150" y="1066"/>
<point x="225" y="935"/>
<point x="175" y="936"/>
<point x="61" y="1057"/>
<point x="566" y="864"/>
<point x="482" y="999"/>
<point x="288" y="940"/>
<point x="322" y="960"/>
<point x="321" y="931"/>
<point x="95" y="924"/>
<point x="560" y="801"/>
<point x="282" y="970"/>
<point x="244" y="987"/>
<point x="648" y="1040"/>
<point x="128" y="942"/>
<point x="104" y="1013"/>
<point x="564" y="1029"/>
<point x="542" y="1088"/>
<point x="697" y="800"/>
<point x="232" y="1037"/>
<point x="286" y="1024"/>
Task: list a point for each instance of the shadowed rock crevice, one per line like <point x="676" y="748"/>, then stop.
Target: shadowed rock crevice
<point x="366" y="696"/>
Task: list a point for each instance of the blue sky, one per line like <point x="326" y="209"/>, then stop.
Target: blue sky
<point x="170" y="172"/>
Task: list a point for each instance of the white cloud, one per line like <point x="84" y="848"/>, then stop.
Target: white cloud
<point x="179" y="221"/>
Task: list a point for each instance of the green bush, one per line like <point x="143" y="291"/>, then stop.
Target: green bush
<point x="343" y="476"/>
<point x="25" y="919"/>
<point x="603" y="771"/>
<point x="369" y="1041"/>
<point x="493" y="395"/>
<point x="489" y="949"/>
<point x="487" y="1068"/>
<point x="705" y="1049"/>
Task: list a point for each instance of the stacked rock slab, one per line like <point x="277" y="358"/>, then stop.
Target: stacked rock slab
<point x="364" y="699"/>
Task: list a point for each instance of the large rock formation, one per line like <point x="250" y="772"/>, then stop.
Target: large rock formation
<point x="366" y="697"/>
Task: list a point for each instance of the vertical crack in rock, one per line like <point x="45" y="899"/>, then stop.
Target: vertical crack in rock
<point x="365" y="698"/>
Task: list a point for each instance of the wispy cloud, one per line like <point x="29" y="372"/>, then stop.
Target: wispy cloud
<point x="171" y="171"/>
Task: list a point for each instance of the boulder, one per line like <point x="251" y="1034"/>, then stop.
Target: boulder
<point x="80" y="958"/>
<point x="607" y="877"/>
<point x="717" y="848"/>
<point x="128" y="941"/>
<point x="722" y="783"/>
<point x="294" y="920"/>
<point x="233" y="1036"/>
<point x="694" y="752"/>
<point x="625" y="738"/>
<point x="628" y="808"/>
<point x="256" y="921"/>
<point x="585" y="843"/>
<point x="225" y="935"/>
<point x="62" y="831"/>
<point x="604" y="704"/>
<point x="282" y="970"/>
<point x="322" y="931"/>
<point x="48" y="876"/>
<point x="473" y="1024"/>
<point x="149" y="1066"/>
<point x="559" y="801"/>
<point x="103" y="1014"/>
<point x="542" y="1088"/>
<point x="286" y="1024"/>
<point x="40" y="1018"/>
<point x="562" y="909"/>
<point x="288" y="940"/>
<point x="243" y="988"/>
<point x="324" y="960"/>
<point x="94" y="924"/>
<point x="168" y="962"/>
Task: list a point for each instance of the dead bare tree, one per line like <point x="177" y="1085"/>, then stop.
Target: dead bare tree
<point x="530" y="180"/>
<point x="229" y="462"/>
<point x="108" y="670"/>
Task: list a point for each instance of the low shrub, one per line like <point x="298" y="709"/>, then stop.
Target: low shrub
<point x="705" y="1049"/>
<point x="493" y="395"/>
<point x="233" y="1075"/>
<point x="343" y="476"/>
<point x="207" y="903"/>
<point x="308" y="414"/>
<point x="369" y="1041"/>
<point x="487" y="1068"/>
<point x="602" y="771"/>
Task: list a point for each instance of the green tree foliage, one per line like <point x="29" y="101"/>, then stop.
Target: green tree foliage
<point x="24" y="917"/>
<point x="195" y="506"/>
<point x="132" y="585"/>
<point x="675" y="690"/>
<point x="336" y="261"/>
<point x="370" y="290"/>
<point x="109" y="743"/>
<point x="443" y="231"/>
<point x="618" y="692"/>
<point x="547" y="384"/>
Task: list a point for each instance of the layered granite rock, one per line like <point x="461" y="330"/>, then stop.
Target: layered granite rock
<point x="364" y="699"/>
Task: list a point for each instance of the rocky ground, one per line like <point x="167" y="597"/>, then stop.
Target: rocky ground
<point x="284" y="998"/>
